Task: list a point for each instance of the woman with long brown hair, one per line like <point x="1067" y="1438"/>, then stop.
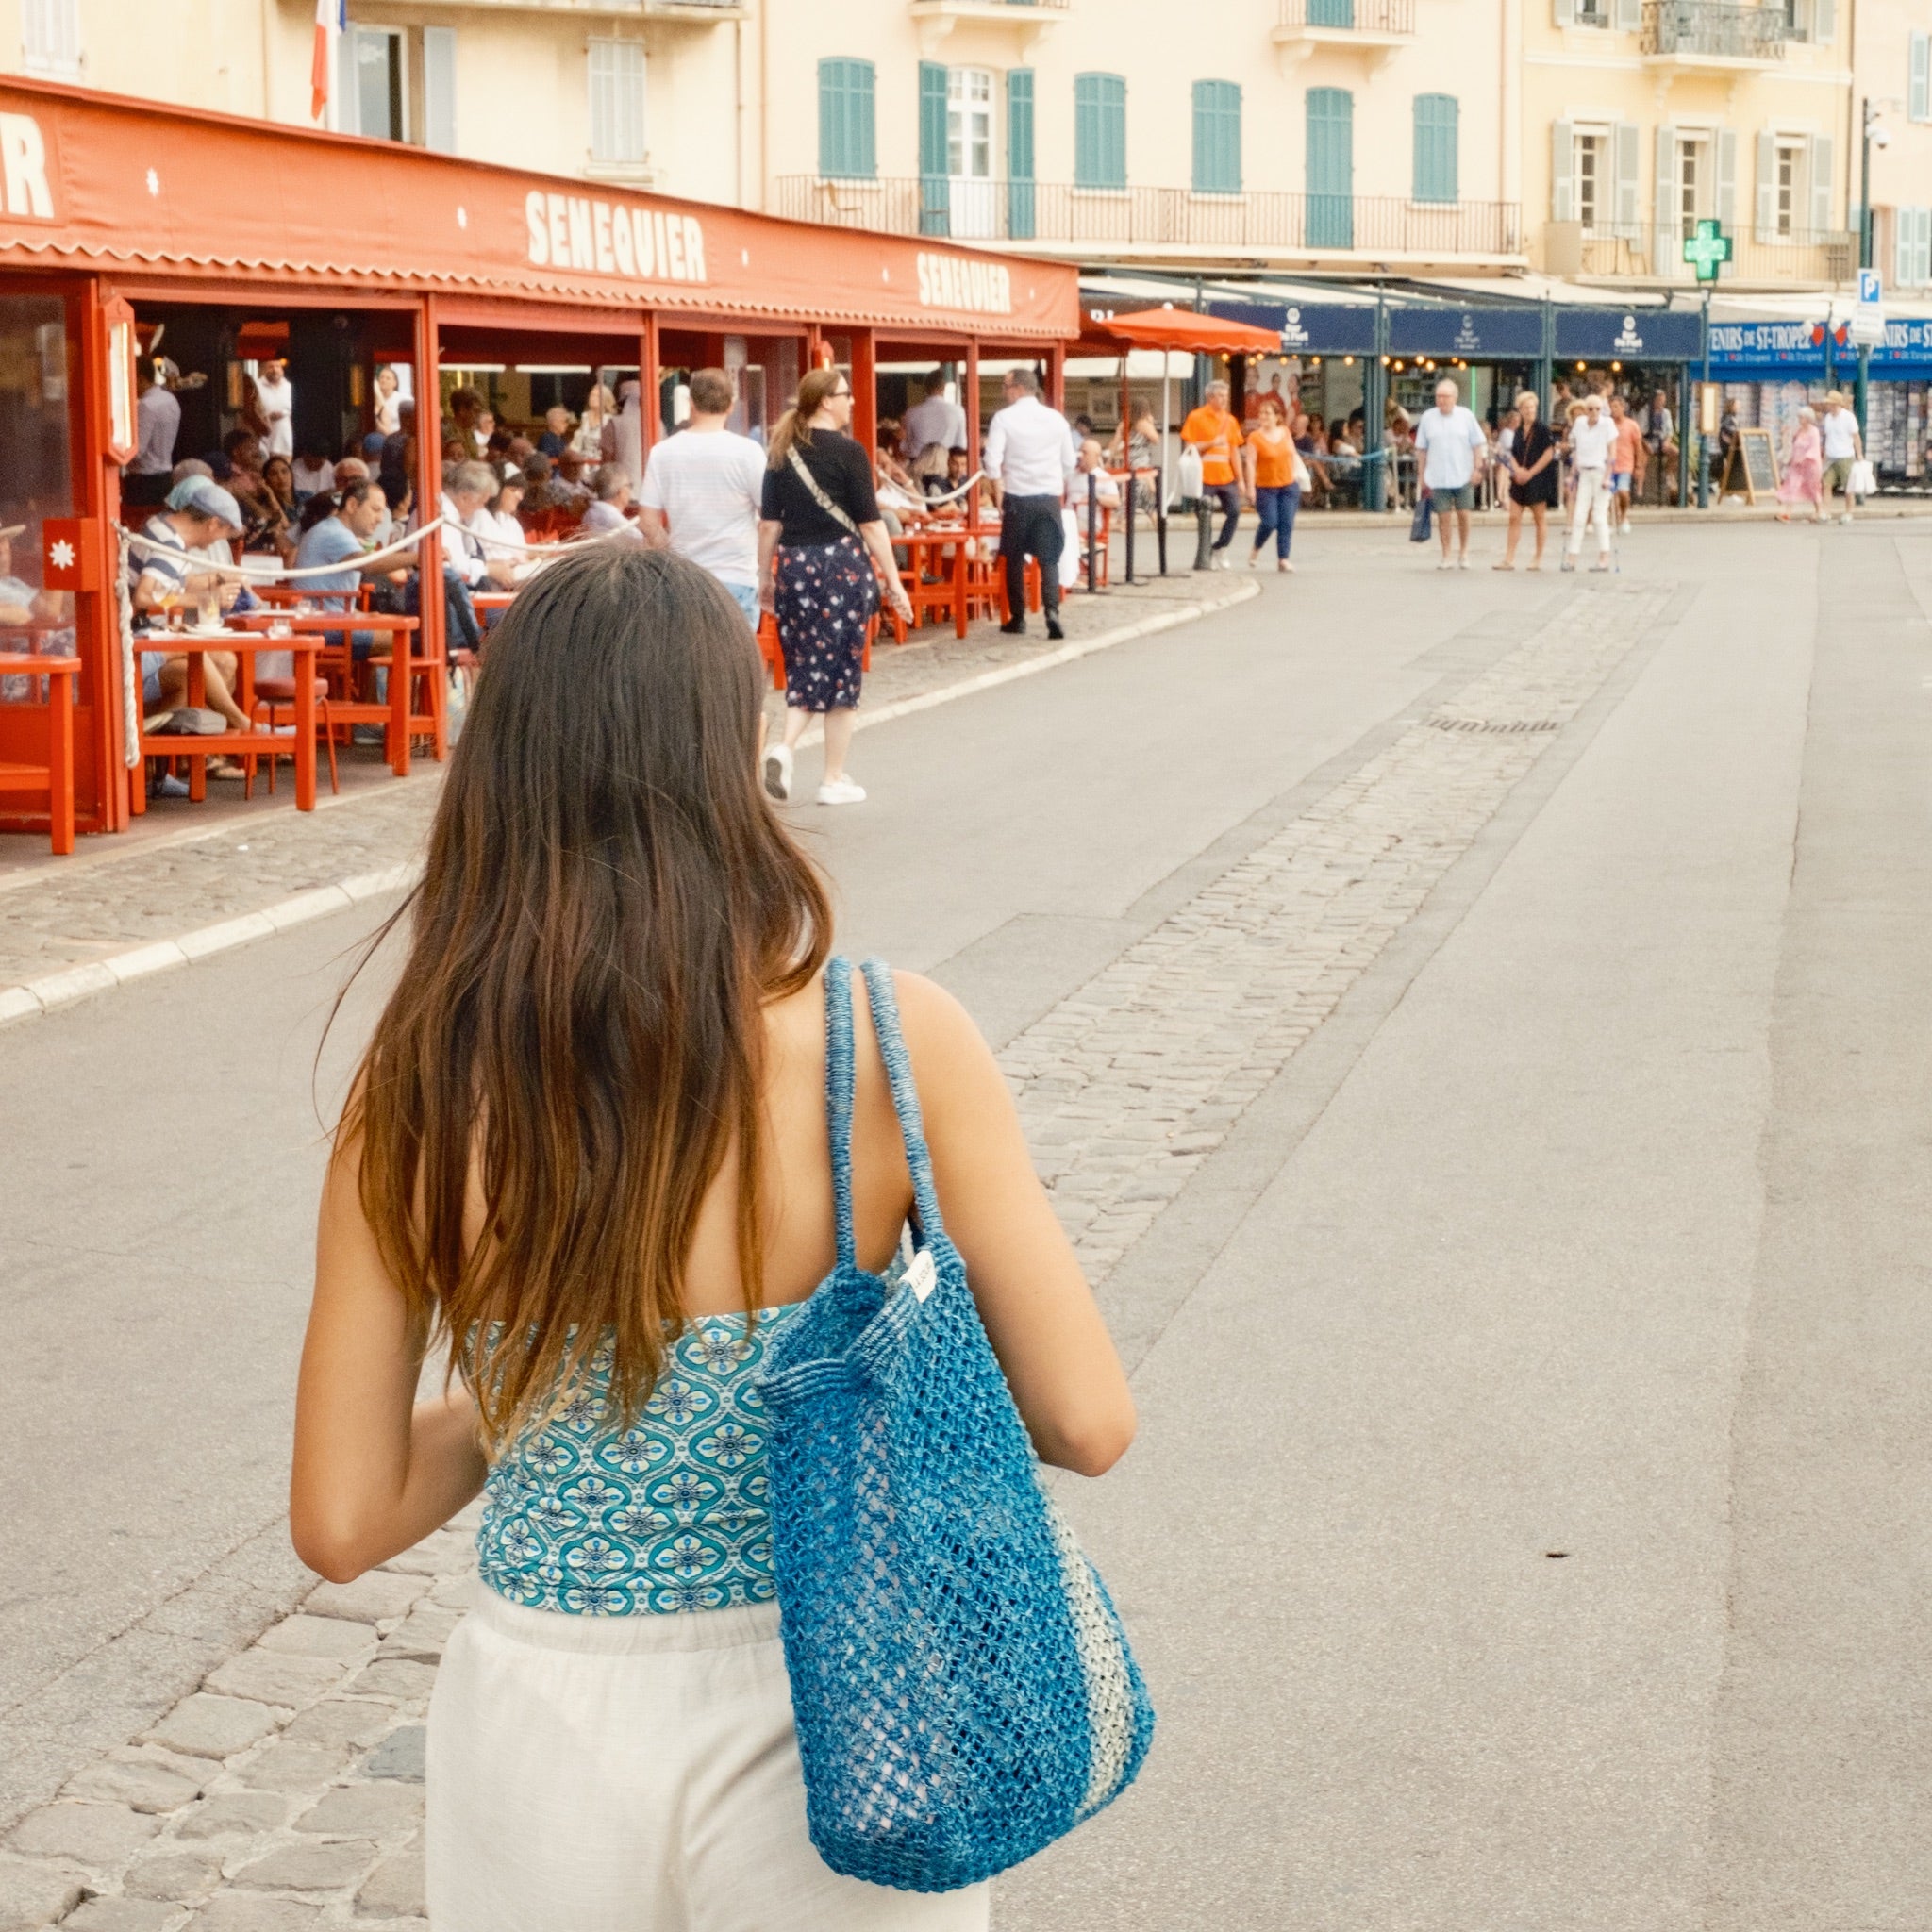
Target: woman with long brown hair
<point x="824" y="550"/>
<point x="587" y="1153"/>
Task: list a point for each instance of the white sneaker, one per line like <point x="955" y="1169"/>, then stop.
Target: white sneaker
<point x="779" y="770"/>
<point x="841" y="792"/>
<point x="1445" y="564"/>
<point x="1462" y="561"/>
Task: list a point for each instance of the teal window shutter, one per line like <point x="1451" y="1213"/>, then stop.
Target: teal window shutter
<point x="847" y="150"/>
<point x="1330" y="167"/>
<point x="1217" y="137"/>
<point x="1100" y="130"/>
<point x="1435" y="147"/>
<point x="1020" y="212"/>
<point x="935" y="210"/>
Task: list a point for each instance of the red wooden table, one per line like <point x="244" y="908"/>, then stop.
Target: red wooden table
<point x="395" y="713"/>
<point x="953" y="589"/>
<point x="56" y="777"/>
<point x="197" y="750"/>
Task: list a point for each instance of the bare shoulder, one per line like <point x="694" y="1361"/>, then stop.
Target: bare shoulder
<point x="936" y="1025"/>
<point x="953" y="1065"/>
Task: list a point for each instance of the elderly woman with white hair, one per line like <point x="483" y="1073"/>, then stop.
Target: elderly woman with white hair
<point x="1804" y="477"/>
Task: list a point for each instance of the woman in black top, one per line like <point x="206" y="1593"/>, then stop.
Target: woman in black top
<point x="819" y="518"/>
<point x="1534" y="479"/>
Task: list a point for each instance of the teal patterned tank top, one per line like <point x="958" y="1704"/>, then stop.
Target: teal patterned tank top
<point x="669" y="1514"/>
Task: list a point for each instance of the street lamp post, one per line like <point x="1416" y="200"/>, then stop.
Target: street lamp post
<point x="1870" y="130"/>
<point x="1702" y="441"/>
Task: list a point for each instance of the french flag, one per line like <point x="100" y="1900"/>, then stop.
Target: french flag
<point x="331" y="17"/>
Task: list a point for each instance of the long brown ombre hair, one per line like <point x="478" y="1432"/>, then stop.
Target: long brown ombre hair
<point x="794" y="426"/>
<point x="578" y="1033"/>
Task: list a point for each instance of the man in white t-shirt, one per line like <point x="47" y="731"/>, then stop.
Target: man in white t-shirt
<point x="702" y="490"/>
<point x="1843" y="447"/>
<point x="1449" y="443"/>
<point x="933" y="429"/>
<point x="1592" y="439"/>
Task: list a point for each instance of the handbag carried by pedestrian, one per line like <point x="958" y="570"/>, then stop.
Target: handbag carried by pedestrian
<point x="1419" y="523"/>
<point x="961" y="1684"/>
<point x="838" y="514"/>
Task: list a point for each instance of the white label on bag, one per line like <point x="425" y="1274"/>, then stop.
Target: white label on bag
<point x="924" y="1275"/>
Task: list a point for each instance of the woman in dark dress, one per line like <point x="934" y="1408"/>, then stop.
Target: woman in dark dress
<point x="819" y="520"/>
<point x="1534" y="479"/>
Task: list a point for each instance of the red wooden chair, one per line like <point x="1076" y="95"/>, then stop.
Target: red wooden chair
<point x="54" y="776"/>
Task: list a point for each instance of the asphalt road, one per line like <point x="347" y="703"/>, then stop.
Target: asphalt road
<point x="1529" y="1524"/>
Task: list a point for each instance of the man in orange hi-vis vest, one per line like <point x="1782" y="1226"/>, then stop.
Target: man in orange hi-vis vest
<point x="1217" y="436"/>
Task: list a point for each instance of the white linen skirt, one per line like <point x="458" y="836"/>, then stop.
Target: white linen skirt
<point x="634" y="1775"/>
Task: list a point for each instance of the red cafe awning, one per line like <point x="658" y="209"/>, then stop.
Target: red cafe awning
<point x="120" y="188"/>
<point x="1190" y="333"/>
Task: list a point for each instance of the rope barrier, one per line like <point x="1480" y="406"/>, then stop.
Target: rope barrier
<point x="263" y="573"/>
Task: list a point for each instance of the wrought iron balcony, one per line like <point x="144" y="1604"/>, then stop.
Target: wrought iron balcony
<point x="936" y="19"/>
<point x="702" y="12"/>
<point x="1055" y="215"/>
<point x="1705" y="32"/>
<point x="1374" y="28"/>
<point x="1652" y="252"/>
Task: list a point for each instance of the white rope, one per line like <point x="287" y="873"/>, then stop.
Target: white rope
<point x="954" y="495"/>
<point x="271" y="573"/>
<point x="260" y="572"/>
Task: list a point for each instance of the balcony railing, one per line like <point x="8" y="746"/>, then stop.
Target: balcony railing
<point x="1646" y="250"/>
<point x="1360" y="16"/>
<point x="1058" y="214"/>
<point x="1693" y="29"/>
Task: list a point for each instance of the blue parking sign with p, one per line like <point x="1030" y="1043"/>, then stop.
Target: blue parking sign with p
<point x="1871" y="285"/>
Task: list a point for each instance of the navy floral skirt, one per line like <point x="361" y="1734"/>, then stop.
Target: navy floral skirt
<point x="826" y="594"/>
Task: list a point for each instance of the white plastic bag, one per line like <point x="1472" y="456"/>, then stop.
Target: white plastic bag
<point x="1188" y="474"/>
<point x="1862" y="482"/>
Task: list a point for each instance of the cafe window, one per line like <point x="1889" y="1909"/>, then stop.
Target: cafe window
<point x="375" y="82"/>
<point x="617" y="101"/>
<point x="50" y="38"/>
<point x="35" y="477"/>
<point x="1591" y="186"/>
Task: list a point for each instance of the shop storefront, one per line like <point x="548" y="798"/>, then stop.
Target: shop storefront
<point x="1771" y="369"/>
<point x="1642" y="353"/>
<point x="235" y="240"/>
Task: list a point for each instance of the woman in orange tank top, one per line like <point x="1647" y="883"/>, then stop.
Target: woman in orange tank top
<point x="1270" y="456"/>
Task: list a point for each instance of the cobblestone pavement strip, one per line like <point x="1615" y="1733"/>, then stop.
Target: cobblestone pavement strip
<point x="73" y="916"/>
<point x="287" y="1793"/>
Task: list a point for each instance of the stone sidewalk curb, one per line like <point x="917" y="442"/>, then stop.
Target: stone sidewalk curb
<point x="62" y="989"/>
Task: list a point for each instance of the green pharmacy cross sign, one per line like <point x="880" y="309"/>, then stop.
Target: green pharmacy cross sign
<point x="1708" y="250"/>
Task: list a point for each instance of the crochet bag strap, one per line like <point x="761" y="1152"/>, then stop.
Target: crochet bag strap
<point x="838" y="1081"/>
<point x="885" y="1021"/>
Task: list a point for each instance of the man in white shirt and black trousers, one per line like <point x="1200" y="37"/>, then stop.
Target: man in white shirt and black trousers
<point x="1029" y="457"/>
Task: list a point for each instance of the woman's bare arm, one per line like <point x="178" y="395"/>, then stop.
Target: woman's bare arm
<point x="1039" y="1314"/>
<point x="375" y="1470"/>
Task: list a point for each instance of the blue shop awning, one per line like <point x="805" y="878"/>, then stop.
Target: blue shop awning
<point x="1629" y="335"/>
<point x="1309" y="328"/>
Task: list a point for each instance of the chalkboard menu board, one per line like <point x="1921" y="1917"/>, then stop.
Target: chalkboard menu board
<point x="1751" y="468"/>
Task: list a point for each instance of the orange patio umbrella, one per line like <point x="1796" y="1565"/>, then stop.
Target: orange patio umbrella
<point x="1168" y="328"/>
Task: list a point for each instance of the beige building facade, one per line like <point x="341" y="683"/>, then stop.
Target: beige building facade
<point x="1644" y="117"/>
<point x="649" y="94"/>
<point x="1334" y="134"/>
<point x="1417" y="138"/>
<point x="1893" y="64"/>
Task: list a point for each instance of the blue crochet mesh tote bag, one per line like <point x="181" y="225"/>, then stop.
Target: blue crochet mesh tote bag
<point x="963" y="1689"/>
